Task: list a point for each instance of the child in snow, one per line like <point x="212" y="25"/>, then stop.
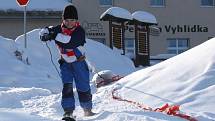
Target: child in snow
<point x="70" y="39"/>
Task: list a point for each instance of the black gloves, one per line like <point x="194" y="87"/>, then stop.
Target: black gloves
<point x="46" y="34"/>
<point x="45" y="37"/>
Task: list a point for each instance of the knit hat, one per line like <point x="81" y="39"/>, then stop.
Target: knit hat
<point x="70" y="12"/>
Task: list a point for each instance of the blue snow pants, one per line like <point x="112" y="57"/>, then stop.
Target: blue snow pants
<point x="78" y="73"/>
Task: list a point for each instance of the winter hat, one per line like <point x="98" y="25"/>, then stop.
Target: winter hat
<point x="70" y="12"/>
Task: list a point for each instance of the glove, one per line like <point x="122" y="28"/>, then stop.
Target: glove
<point x="44" y="35"/>
<point x="44" y="31"/>
<point x="61" y="61"/>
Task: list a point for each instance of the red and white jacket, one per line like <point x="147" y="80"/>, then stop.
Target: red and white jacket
<point x="68" y="54"/>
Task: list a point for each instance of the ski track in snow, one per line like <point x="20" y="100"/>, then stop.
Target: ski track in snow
<point x="41" y="103"/>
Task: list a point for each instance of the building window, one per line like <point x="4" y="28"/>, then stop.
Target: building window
<point x="177" y="45"/>
<point x="157" y="3"/>
<point x="106" y="2"/>
<point x="129" y="47"/>
<point x="207" y="3"/>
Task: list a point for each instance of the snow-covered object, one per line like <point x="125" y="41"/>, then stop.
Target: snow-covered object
<point x="145" y="17"/>
<point x="101" y="76"/>
<point x="117" y="12"/>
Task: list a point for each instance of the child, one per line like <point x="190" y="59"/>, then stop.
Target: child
<point x="70" y="39"/>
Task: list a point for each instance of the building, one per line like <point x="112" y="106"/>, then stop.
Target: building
<point x="11" y="22"/>
<point x="183" y="24"/>
<point x="40" y="13"/>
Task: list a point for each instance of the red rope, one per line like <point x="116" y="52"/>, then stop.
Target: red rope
<point x="106" y="82"/>
<point x="167" y="109"/>
<point x="144" y="107"/>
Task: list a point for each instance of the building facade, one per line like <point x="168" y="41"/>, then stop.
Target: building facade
<point x="11" y="22"/>
<point x="183" y="24"/>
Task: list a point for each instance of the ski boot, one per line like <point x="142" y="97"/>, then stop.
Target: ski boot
<point x="67" y="116"/>
<point x="88" y="112"/>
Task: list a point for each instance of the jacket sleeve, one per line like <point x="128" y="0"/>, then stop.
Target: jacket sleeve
<point x="53" y="31"/>
<point x="80" y="39"/>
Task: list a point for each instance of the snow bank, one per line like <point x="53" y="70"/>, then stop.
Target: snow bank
<point x="186" y="79"/>
<point x="41" y="72"/>
<point x="13" y="97"/>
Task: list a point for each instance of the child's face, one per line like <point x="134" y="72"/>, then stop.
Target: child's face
<point x="69" y="23"/>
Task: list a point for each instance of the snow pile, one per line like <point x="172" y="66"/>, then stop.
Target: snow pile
<point x="145" y="17"/>
<point x="35" y="83"/>
<point x="186" y="79"/>
<point x="26" y="91"/>
<point x="102" y="57"/>
<point x="13" y="97"/>
<point x="41" y="72"/>
<point x="99" y="56"/>
<point x="15" y="73"/>
<point x="117" y="12"/>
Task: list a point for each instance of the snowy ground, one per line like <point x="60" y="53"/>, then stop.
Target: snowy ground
<point x="33" y="91"/>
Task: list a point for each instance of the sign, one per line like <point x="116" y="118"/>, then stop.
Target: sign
<point x="93" y="29"/>
<point x="22" y="2"/>
<point x="173" y="29"/>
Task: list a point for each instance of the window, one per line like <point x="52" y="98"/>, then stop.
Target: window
<point x="207" y="3"/>
<point x="177" y="45"/>
<point x="129" y="47"/>
<point x="106" y="2"/>
<point x="157" y="3"/>
<point x="70" y="1"/>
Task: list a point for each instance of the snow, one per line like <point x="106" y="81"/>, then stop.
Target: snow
<point x="117" y="12"/>
<point x="186" y="79"/>
<point x="38" y="5"/>
<point x="141" y="16"/>
<point x="22" y="84"/>
<point x="33" y="91"/>
<point x="144" y="17"/>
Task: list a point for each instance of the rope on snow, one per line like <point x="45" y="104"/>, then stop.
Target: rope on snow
<point x="166" y="109"/>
